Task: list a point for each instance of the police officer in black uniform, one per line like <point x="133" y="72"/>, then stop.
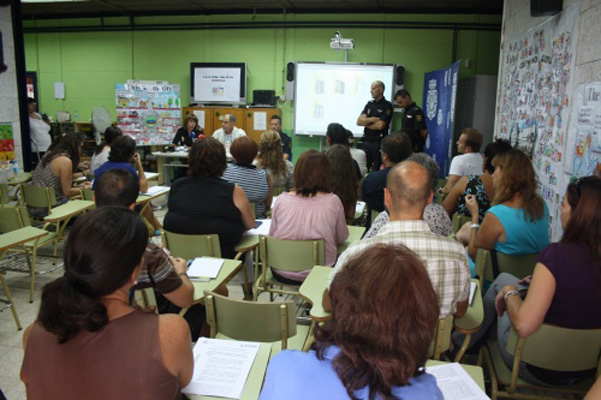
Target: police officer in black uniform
<point x="414" y="122"/>
<point x="375" y="117"/>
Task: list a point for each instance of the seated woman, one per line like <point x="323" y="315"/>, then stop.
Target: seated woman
<point x="344" y="180"/>
<point x="254" y="181"/>
<point x="203" y="203"/>
<point x="56" y="170"/>
<point x="85" y="315"/>
<point x="479" y="185"/>
<point x="518" y="222"/>
<point x="101" y="154"/>
<point x="564" y="288"/>
<point x="189" y="133"/>
<point x="434" y="215"/>
<point x="309" y="211"/>
<point x="271" y="159"/>
<point x="351" y="359"/>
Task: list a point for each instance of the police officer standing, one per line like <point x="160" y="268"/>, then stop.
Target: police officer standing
<point x="375" y="117"/>
<point x="413" y="123"/>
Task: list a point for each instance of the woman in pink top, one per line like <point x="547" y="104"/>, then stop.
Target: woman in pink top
<point x="309" y="211"/>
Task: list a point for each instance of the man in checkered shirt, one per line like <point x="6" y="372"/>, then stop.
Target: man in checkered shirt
<point x="408" y="192"/>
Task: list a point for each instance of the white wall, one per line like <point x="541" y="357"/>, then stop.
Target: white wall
<point x="9" y="98"/>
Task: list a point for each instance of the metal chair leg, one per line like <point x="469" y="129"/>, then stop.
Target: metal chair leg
<point x="10" y="302"/>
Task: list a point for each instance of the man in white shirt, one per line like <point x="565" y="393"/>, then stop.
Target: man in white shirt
<point x="228" y="133"/>
<point x="470" y="160"/>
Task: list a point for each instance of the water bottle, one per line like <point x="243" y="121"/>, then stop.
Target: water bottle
<point x="15" y="166"/>
<point x="75" y="116"/>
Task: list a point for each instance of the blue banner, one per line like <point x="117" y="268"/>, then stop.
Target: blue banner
<point x="440" y="92"/>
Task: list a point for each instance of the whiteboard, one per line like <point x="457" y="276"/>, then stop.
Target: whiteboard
<point x="328" y="92"/>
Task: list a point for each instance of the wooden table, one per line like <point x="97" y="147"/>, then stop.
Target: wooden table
<point x="8" y="241"/>
<point x="167" y="160"/>
<point x="354" y="234"/>
<point x="474" y="371"/>
<point x="227" y="272"/>
<point x="254" y="382"/>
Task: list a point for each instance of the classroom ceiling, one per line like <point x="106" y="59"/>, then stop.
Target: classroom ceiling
<point x="94" y="8"/>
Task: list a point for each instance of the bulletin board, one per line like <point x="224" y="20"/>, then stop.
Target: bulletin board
<point x="148" y="112"/>
<point x="535" y="103"/>
<point x="7" y="143"/>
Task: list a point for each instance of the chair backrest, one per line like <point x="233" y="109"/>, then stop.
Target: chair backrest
<point x="291" y="255"/>
<point x="88" y="194"/>
<point x="191" y="246"/>
<point x="459" y="220"/>
<point x="253" y="208"/>
<point x="442" y="182"/>
<point x="374" y="215"/>
<point x="41" y="197"/>
<point x="252" y="321"/>
<point x="518" y="266"/>
<point x="557" y="348"/>
<point x="278" y="190"/>
<point x="442" y="337"/>
<point x="12" y="218"/>
<point x="4" y="196"/>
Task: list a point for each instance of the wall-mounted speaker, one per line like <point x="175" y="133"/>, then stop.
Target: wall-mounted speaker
<point x="540" y="8"/>
<point x="3" y="66"/>
<point x="399" y="79"/>
<point x="290" y="75"/>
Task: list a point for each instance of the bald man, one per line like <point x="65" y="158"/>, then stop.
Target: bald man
<point x="375" y="118"/>
<point x="228" y="133"/>
<point x="407" y="193"/>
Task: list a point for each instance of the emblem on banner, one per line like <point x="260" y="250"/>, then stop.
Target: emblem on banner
<point x="432" y="100"/>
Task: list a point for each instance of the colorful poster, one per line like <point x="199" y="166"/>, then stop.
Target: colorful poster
<point x="584" y="141"/>
<point x="150" y="113"/>
<point x="440" y="92"/>
<point x="7" y="143"/>
<point x="534" y="102"/>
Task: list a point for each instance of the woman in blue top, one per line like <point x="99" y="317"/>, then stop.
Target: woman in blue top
<point x="376" y="344"/>
<point x="518" y="222"/>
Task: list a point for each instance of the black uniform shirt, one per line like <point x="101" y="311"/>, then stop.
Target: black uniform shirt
<point x="381" y="109"/>
<point x="413" y="122"/>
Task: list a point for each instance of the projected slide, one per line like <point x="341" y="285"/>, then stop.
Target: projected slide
<point x="335" y="93"/>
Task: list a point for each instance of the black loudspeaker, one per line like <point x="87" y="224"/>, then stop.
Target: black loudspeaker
<point x="540" y="8"/>
<point x="290" y="71"/>
<point x="400" y="75"/>
<point x="3" y="66"/>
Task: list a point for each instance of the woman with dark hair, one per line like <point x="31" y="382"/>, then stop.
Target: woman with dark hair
<point x="565" y="288"/>
<point x="56" y="170"/>
<point x="309" y="211"/>
<point x="518" y="222"/>
<point x="189" y="132"/>
<point x="101" y="154"/>
<point x="122" y="154"/>
<point x="254" y="181"/>
<point x="271" y="159"/>
<point x="202" y="202"/>
<point x="85" y="315"/>
<point x="479" y="185"/>
<point x="344" y="179"/>
<point x="376" y="344"/>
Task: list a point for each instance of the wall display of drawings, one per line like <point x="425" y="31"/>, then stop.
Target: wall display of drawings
<point x="7" y="143"/>
<point x="148" y="112"/>
<point x="534" y="103"/>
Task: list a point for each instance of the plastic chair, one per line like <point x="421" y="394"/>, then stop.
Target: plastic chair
<point x="88" y="194"/>
<point x="442" y="337"/>
<point x="278" y="190"/>
<point x="551" y="347"/>
<point x="257" y="322"/>
<point x="189" y="246"/>
<point x="39" y="197"/>
<point x="4" y="195"/>
<point x="459" y="220"/>
<point x="518" y="266"/>
<point x="289" y="255"/>
<point x="442" y="182"/>
<point x="9" y="300"/>
<point x="13" y="218"/>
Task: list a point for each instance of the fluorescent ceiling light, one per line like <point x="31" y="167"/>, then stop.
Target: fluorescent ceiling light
<point x="53" y="1"/>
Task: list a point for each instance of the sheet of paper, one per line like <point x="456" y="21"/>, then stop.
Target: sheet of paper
<point x="360" y="207"/>
<point x="205" y="267"/>
<point x="200" y="114"/>
<point x="473" y="287"/>
<point x="260" y="121"/>
<point x="156" y="190"/>
<point x="151" y="175"/>
<point x="261" y="230"/>
<point x="221" y="367"/>
<point x="59" y="90"/>
<point x="455" y="383"/>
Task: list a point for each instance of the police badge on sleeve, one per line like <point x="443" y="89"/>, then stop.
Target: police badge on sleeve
<point x="432" y="100"/>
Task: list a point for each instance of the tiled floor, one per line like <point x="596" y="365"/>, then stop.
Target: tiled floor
<point x="11" y="352"/>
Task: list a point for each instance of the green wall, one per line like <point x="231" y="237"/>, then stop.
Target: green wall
<point x="90" y="63"/>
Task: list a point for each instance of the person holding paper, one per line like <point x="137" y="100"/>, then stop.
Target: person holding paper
<point x="85" y="315"/>
<point x="228" y="133"/>
<point x="189" y="132"/>
<point x="376" y="345"/>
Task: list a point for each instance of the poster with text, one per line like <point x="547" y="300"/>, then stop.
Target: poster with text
<point x="217" y="84"/>
<point x="150" y="113"/>
<point x="440" y="93"/>
<point x="534" y="103"/>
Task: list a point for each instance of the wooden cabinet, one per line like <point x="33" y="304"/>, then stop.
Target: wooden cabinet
<point x="245" y="118"/>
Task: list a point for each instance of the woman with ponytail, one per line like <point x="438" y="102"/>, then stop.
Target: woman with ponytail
<point x="87" y="341"/>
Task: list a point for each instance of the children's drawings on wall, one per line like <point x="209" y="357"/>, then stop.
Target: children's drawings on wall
<point x="534" y="104"/>
<point x="148" y="112"/>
